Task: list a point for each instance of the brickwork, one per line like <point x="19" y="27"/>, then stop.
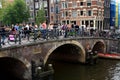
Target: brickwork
<point x="70" y="11"/>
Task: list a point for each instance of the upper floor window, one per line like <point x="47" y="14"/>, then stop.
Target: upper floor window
<point x="74" y="4"/>
<point x="63" y="14"/>
<point x="66" y="13"/>
<point x="57" y="9"/>
<point x="81" y="13"/>
<point x="64" y="5"/>
<point x="57" y="1"/>
<point x="52" y="9"/>
<point x="89" y="13"/>
<point x="36" y="5"/>
<point x="88" y="2"/>
<point x="81" y="3"/>
<point x="74" y="13"/>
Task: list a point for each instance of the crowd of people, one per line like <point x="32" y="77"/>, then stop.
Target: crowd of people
<point x="49" y="31"/>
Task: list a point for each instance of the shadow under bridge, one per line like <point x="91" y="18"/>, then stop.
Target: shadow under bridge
<point x="69" y="53"/>
<point x="12" y="69"/>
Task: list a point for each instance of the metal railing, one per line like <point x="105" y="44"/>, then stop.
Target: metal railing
<point x="42" y="35"/>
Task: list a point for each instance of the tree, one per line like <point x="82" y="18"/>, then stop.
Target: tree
<point x="40" y="18"/>
<point x="2" y="3"/>
<point x="16" y="12"/>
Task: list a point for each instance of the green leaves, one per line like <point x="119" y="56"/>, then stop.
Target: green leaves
<point x="16" y="13"/>
<point x="40" y="18"/>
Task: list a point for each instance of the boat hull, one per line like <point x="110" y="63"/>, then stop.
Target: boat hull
<point x="109" y="55"/>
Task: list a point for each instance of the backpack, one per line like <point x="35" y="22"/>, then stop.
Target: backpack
<point x="63" y="27"/>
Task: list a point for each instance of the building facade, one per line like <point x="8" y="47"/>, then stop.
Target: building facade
<point x="34" y="6"/>
<point x="115" y="14"/>
<point x="88" y="13"/>
<point x="107" y="14"/>
<point x="54" y="11"/>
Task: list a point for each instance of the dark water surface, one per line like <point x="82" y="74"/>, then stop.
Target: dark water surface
<point x="104" y="70"/>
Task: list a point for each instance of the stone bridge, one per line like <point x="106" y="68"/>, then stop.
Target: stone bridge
<point x="72" y="50"/>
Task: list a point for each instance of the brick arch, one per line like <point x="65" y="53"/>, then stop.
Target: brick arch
<point x="76" y="43"/>
<point x="9" y="67"/>
<point x="99" y="46"/>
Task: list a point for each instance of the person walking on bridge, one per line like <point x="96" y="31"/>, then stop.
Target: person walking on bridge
<point x="3" y="35"/>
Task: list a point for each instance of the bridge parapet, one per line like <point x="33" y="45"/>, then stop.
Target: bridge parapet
<point x="72" y="49"/>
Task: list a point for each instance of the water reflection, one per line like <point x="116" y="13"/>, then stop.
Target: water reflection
<point x="103" y="70"/>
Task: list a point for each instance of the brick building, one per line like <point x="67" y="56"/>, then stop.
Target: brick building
<point x="87" y="13"/>
<point x="107" y="14"/>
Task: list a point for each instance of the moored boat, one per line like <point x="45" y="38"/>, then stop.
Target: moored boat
<point x="109" y="55"/>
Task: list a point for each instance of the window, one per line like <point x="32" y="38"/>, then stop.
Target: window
<point x="89" y="12"/>
<point x="81" y="3"/>
<point x="36" y="5"/>
<point x="63" y="14"/>
<point x="82" y="22"/>
<point x="66" y="13"/>
<point x="32" y="15"/>
<point x="81" y="13"/>
<point x="88" y="2"/>
<point x="52" y="9"/>
<point x="74" y="13"/>
<point x="57" y="10"/>
<point x="74" y="4"/>
<point x="64" y="5"/>
<point x="67" y="21"/>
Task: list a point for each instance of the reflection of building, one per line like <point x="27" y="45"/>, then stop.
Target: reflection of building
<point x="81" y="12"/>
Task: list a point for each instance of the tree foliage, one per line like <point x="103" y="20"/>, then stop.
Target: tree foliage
<point x="16" y="12"/>
<point x="2" y="8"/>
<point x="40" y="18"/>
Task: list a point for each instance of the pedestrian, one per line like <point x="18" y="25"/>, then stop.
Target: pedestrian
<point x="3" y="35"/>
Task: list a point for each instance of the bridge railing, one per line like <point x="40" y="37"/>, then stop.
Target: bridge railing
<point x="24" y="37"/>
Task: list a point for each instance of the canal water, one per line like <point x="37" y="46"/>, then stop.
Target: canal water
<point x="105" y="69"/>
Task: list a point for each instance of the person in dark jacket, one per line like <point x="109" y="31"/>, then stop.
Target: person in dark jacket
<point x="3" y="35"/>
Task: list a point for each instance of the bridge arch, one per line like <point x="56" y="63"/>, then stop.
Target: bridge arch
<point x="12" y="69"/>
<point x="99" y="46"/>
<point x="74" y="44"/>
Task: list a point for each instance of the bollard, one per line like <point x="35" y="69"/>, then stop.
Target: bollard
<point x="39" y="70"/>
<point x="50" y="67"/>
<point x="38" y="73"/>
